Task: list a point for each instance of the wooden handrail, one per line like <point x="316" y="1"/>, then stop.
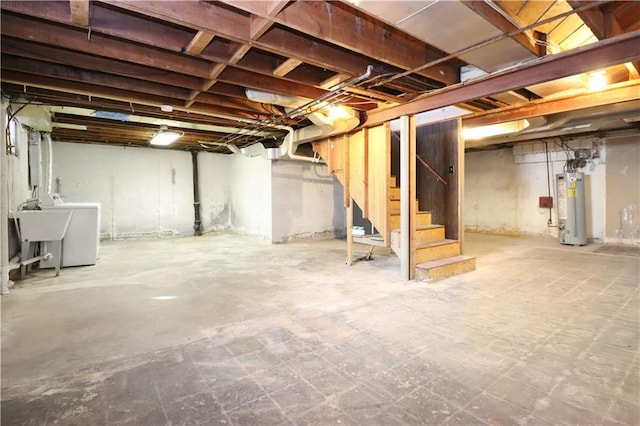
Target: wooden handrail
<point x="433" y="172"/>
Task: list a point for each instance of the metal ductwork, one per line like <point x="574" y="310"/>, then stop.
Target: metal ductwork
<point x="323" y="126"/>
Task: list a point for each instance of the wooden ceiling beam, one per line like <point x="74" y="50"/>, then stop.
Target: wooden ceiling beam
<point x="334" y="80"/>
<point x="603" y="23"/>
<point x="43" y="53"/>
<point x="130" y="27"/>
<point x="252" y="80"/>
<point x="496" y="19"/>
<point x="235" y="103"/>
<point x="292" y="45"/>
<point x="60" y="98"/>
<point x="86" y="89"/>
<point x="25" y="29"/>
<point x="622" y="92"/>
<point x="286" y="67"/>
<point x="296" y="46"/>
<point x="594" y="19"/>
<point x="80" y="12"/>
<point x="67" y="38"/>
<point x="199" y="42"/>
<point x="605" y="53"/>
<point x="192" y="14"/>
<point x="340" y="25"/>
<point x="130" y="96"/>
<point x="115" y="126"/>
<point x="256" y="29"/>
<point x="63" y="72"/>
<point x="63" y="98"/>
<point x="108" y="21"/>
<point x="261" y="23"/>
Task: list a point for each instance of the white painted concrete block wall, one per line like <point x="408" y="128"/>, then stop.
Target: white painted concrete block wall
<point x="143" y="192"/>
<point x="307" y="202"/>
<point x="502" y="188"/>
<point x="250" y="202"/>
<point x="214" y="172"/>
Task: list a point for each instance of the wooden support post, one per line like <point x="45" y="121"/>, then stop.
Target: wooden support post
<point x="460" y="183"/>
<point x="407" y="196"/>
<point x="365" y="207"/>
<point x="405" y="193"/>
<point x="350" y="232"/>
<point x="346" y="171"/>
<point x="348" y="201"/>
<point x="412" y="196"/>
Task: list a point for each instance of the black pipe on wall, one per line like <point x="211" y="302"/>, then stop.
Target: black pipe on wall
<point x="197" y="228"/>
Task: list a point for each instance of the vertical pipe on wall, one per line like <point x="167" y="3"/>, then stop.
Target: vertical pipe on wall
<point x="405" y="249"/>
<point x="4" y="206"/>
<point x="197" y="223"/>
<point x="49" y="171"/>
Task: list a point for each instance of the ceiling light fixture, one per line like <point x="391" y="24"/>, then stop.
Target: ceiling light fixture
<point x="165" y="137"/>
<point x="481" y="132"/>
<point x="338" y="112"/>
<point x="596" y="80"/>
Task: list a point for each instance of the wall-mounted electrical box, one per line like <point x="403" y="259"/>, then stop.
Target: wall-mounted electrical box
<point x="545" y="202"/>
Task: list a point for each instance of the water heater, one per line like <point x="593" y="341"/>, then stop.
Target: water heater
<point x="572" y="223"/>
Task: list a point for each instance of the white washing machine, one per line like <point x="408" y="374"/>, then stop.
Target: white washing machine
<point x="81" y="243"/>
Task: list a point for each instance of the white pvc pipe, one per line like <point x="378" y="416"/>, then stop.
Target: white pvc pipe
<point x="405" y="271"/>
<point x="49" y="175"/>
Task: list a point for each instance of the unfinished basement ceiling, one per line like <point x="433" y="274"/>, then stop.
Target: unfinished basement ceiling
<point x="107" y="67"/>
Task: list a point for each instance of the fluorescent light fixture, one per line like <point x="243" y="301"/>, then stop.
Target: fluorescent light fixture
<point x="69" y="126"/>
<point x="433" y="116"/>
<point x="494" y="129"/>
<point x="165" y="137"/>
<point x="163" y="297"/>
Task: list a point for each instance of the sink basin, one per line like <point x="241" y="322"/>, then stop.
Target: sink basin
<point x="43" y="225"/>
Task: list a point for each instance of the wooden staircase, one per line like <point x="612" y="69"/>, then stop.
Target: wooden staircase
<point x="435" y="256"/>
<point x="361" y="163"/>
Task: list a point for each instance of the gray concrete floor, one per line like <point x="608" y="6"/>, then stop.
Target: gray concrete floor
<point x="225" y="329"/>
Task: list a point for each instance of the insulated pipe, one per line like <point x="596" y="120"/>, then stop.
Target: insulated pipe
<point x="197" y="223"/>
<point x="404" y="198"/>
<point x="310" y="133"/>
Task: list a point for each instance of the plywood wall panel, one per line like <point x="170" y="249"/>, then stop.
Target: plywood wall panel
<point x="358" y="168"/>
<point x="379" y="170"/>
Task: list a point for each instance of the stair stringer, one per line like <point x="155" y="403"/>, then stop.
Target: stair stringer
<point x="362" y="164"/>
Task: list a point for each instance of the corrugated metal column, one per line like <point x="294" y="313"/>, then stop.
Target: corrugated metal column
<point x="405" y="225"/>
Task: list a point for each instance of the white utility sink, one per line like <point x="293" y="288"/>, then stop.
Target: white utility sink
<point x="43" y="225"/>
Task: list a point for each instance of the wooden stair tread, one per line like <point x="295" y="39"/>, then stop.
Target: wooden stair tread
<point x="421" y="227"/>
<point x="397" y="213"/>
<point x="444" y="262"/>
<point x="435" y="243"/>
<point x="372" y="239"/>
